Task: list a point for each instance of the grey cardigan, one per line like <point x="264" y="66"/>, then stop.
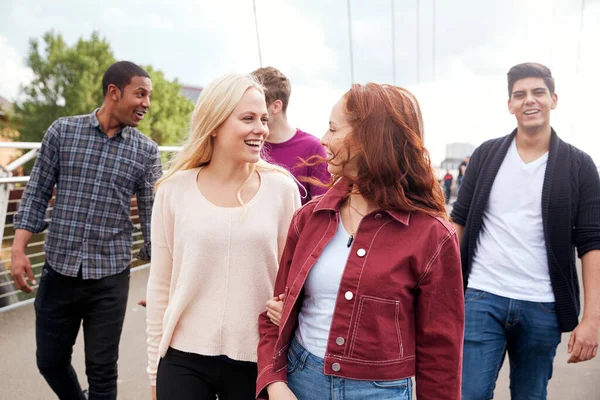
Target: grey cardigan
<point x="570" y="213"/>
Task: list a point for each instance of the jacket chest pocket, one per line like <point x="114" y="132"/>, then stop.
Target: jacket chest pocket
<point x="377" y="335"/>
<point x="126" y="174"/>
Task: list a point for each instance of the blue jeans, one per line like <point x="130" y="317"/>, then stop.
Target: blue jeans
<point x="495" y="325"/>
<point x="307" y="381"/>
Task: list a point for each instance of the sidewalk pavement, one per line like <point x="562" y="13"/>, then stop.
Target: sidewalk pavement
<point x="20" y="379"/>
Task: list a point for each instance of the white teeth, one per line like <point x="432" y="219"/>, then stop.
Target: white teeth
<point x="253" y="142"/>
<point x="530" y="112"/>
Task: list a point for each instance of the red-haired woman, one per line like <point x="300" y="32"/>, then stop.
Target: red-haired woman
<point x="371" y="272"/>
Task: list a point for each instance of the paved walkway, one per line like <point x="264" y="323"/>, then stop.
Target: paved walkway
<point x="20" y="379"/>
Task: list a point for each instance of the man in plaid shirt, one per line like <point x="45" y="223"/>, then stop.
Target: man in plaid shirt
<point x="97" y="162"/>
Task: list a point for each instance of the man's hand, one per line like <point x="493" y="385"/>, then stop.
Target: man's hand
<point x="583" y="344"/>
<point x="20" y="266"/>
<point x="275" y="308"/>
<point x="280" y="391"/>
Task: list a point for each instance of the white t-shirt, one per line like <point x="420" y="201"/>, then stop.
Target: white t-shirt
<point x="510" y="259"/>
<point x="320" y="293"/>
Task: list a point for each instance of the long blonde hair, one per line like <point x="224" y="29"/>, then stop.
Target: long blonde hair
<point x="215" y="104"/>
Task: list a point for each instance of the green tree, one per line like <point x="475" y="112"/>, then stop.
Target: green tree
<point x="167" y="121"/>
<point x="68" y="81"/>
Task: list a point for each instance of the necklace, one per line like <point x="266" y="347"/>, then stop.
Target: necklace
<point x="354" y="208"/>
<point x="351" y="239"/>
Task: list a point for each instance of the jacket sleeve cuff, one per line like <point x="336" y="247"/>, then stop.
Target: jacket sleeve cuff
<point x="31" y="228"/>
<point x="585" y="248"/>
<point x="457" y="218"/>
<point x="268" y="376"/>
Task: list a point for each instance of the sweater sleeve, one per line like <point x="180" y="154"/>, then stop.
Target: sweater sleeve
<point x="460" y="209"/>
<point x="292" y="204"/>
<point x="161" y="266"/>
<point x="269" y="332"/>
<point x="586" y="234"/>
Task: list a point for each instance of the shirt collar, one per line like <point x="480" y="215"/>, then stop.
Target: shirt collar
<point x="333" y="198"/>
<point x="124" y="132"/>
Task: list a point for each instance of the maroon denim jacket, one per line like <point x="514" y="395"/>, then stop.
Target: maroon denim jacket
<point x="399" y="310"/>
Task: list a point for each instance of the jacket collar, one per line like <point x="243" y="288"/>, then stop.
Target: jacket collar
<point x="124" y="132"/>
<point x="554" y="142"/>
<point x="333" y="198"/>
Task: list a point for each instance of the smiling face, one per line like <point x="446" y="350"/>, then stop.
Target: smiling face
<point x="531" y="103"/>
<point x="334" y="142"/>
<point x="132" y="104"/>
<point x="242" y="135"/>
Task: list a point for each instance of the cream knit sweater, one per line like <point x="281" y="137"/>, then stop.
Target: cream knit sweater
<point x="213" y="268"/>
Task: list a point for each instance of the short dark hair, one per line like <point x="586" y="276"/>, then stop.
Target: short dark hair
<point x="277" y="85"/>
<point x="530" y="70"/>
<point x="120" y="75"/>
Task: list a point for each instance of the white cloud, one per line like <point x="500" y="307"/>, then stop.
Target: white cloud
<point x="119" y="16"/>
<point x="13" y="73"/>
<point x="468" y="100"/>
<point x="310" y="106"/>
<point x="477" y="42"/>
<point x="294" y="40"/>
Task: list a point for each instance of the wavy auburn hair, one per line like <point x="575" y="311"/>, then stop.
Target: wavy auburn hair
<point x="386" y="143"/>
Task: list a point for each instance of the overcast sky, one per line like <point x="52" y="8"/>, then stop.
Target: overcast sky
<point x="461" y="83"/>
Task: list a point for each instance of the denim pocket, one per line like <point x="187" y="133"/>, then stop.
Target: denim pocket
<point x="292" y="362"/>
<point x="548" y="307"/>
<point x="399" y="384"/>
<point x="400" y="389"/>
<point x="474" y="294"/>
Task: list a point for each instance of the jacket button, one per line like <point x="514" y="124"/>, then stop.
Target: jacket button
<point x="336" y="367"/>
<point x="349" y="295"/>
<point x="377" y="216"/>
<point x="340" y="341"/>
<point x="361" y="252"/>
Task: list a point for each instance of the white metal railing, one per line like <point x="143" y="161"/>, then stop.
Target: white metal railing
<point x="37" y="145"/>
<point x="10" y="297"/>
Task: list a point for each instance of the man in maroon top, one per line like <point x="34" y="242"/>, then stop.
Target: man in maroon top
<point x="287" y="146"/>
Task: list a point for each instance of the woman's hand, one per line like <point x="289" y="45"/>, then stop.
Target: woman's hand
<point x="153" y="392"/>
<point x="275" y="308"/>
<point x="280" y="391"/>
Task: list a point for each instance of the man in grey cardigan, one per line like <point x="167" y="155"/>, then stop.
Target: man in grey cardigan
<point x="527" y="201"/>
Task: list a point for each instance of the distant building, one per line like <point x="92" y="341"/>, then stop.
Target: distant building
<point x="191" y="92"/>
<point x="455" y="154"/>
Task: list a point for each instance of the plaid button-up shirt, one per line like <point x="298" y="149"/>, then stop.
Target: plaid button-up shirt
<point x="95" y="177"/>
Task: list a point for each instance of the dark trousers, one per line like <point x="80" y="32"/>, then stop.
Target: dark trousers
<point x="186" y="376"/>
<point x="62" y="303"/>
<point x="447" y="193"/>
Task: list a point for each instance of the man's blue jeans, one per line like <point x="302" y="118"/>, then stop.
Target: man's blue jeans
<point x="495" y="325"/>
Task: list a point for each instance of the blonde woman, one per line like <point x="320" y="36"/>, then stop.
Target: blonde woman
<point x="219" y="225"/>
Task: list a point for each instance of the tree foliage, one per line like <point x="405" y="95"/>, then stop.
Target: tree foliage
<point x="68" y="81"/>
